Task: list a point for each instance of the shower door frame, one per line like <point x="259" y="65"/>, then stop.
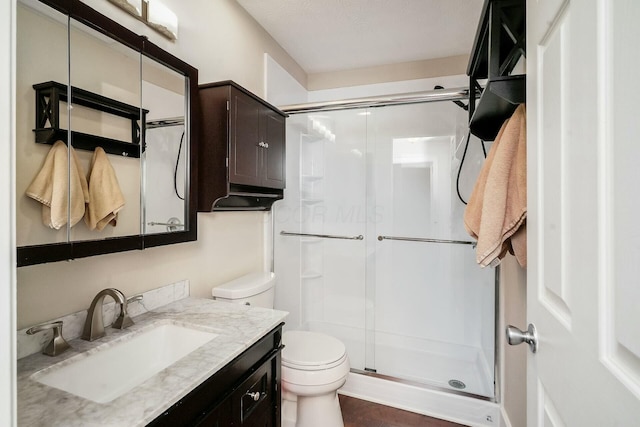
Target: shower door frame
<point x="454" y="94"/>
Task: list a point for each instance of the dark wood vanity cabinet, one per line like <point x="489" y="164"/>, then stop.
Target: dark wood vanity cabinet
<point x="242" y="149"/>
<point x="246" y="392"/>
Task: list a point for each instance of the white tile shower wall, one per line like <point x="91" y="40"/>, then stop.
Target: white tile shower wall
<point x="74" y="323"/>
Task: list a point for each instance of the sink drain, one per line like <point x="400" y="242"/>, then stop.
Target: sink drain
<point x="457" y="384"/>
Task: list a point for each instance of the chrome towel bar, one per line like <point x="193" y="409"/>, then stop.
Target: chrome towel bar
<point x="168" y="224"/>
<point x="322" y="236"/>
<point x="417" y="239"/>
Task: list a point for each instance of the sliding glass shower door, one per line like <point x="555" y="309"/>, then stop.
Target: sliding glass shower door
<point x="371" y="248"/>
<point x="433" y="311"/>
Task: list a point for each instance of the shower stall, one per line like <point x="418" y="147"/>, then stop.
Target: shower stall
<point x="370" y="245"/>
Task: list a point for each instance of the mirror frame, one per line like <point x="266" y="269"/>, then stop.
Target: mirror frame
<point x="52" y="252"/>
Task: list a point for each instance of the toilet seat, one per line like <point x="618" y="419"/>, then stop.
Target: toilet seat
<point x="312" y="351"/>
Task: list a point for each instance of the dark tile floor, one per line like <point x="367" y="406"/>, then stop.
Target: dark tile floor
<point x="360" y="413"/>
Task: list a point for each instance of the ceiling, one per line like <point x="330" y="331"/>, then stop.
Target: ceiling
<point x="333" y="35"/>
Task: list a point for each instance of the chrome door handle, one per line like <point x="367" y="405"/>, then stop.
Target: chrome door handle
<point x="515" y="336"/>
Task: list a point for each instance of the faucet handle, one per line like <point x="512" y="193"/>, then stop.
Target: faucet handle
<point x="135" y="298"/>
<point x="57" y="344"/>
<point x="124" y="321"/>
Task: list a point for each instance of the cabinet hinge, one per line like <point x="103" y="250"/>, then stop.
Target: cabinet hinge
<point x="228" y="106"/>
<point x="226" y="161"/>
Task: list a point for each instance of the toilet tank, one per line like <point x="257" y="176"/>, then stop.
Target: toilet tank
<point x="256" y="289"/>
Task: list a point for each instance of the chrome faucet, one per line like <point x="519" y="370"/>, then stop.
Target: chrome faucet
<point x="94" y="325"/>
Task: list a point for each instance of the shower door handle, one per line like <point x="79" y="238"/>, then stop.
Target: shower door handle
<point x="515" y="336"/>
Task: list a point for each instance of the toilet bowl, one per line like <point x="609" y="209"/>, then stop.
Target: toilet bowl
<point x="314" y="365"/>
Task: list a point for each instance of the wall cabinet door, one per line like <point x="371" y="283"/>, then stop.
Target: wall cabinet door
<point x="257" y="143"/>
<point x="273" y="154"/>
<point x="245" y="140"/>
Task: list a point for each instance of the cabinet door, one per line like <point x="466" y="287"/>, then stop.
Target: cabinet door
<point x="274" y="153"/>
<point x="220" y="416"/>
<point x="245" y="149"/>
<point x="252" y="404"/>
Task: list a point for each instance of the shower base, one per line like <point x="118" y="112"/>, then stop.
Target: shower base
<point x="447" y="366"/>
<point x="422" y="400"/>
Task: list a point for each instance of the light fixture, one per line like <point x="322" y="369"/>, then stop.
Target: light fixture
<point x="133" y="7"/>
<point x="162" y="19"/>
<point x="153" y="13"/>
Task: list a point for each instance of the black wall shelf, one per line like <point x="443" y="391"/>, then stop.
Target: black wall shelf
<point x="498" y="46"/>
<point x="48" y="98"/>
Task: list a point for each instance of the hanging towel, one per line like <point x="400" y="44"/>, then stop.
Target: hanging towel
<point x="497" y="209"/>
<point x="51" y="188"/>
<point x="105" y="197"/>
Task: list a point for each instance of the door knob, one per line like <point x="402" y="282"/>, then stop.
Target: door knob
<point x="515" y="336"/>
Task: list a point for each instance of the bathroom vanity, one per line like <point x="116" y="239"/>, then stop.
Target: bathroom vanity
<point x="246" y="392"/>
<point x="233" y="379"/>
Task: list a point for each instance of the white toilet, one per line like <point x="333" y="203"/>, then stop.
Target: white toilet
<point x="314" y="365"/>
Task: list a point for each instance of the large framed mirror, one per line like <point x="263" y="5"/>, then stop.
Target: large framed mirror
<point x="105" y="150"/>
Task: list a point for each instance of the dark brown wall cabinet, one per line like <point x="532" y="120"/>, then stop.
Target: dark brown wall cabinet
<point x="246" y="392"/>
<point x="242" y="156"/>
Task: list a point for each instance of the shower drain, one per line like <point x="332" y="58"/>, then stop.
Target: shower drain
<point x="457" y="384"/>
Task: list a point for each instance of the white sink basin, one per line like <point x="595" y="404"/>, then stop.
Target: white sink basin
<point x="121" y="366"/>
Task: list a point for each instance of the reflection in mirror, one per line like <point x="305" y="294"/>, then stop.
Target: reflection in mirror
<point x="79" y="81"/>
<point x="41" y="56"/>
<point x="166" y="149"/>
<point x="109" y="72"/>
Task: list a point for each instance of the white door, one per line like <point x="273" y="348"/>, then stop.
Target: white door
<point x="583" y="280"/>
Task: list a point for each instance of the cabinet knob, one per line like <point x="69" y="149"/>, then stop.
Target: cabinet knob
<point x="266" y="145"/>
<point x="255" y="395"/>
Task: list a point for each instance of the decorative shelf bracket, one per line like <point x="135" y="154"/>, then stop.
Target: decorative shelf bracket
<point x="48" y="130"/>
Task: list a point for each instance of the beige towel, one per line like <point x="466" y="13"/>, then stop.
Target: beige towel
<point x="51" y="188"/>
<point x="105" y="197"/>
<point x="497" y="209"/>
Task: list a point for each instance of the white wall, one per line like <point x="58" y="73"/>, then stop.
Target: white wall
<point x="406" y="71"/>
<point x="7" y="220"/>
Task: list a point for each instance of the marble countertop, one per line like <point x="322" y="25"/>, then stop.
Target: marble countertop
<point x="237" y="326"/>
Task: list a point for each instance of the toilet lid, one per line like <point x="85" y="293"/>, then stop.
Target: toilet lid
<point x="311" y="350"/>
